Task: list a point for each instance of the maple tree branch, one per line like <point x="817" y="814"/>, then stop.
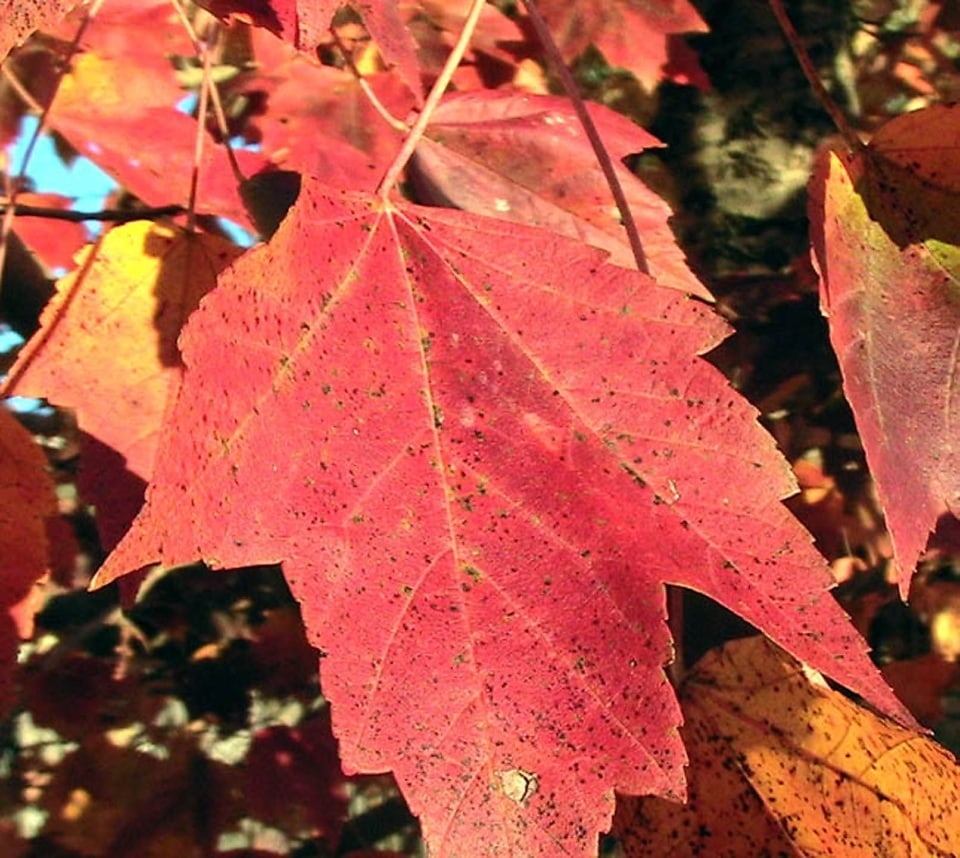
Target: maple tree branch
<point x="105" y="215"/>
<point x="590" y="129"/>
<point x="392" y="176"/>
<point x="827" y="102"/>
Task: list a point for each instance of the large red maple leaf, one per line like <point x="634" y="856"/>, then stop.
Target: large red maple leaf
<point x="480" y="451"/>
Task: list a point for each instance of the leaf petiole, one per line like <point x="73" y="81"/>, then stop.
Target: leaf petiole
<point x="392" y="176"/>
<point x="590" y="129"/>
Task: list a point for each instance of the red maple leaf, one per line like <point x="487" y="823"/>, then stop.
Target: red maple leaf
<point x="885" y="232"/>
<point x="632" y="34"/>
<point x="436" y="25"/>
<point x="27" y="501"/>
<point x="54" y="242"/>
<point x="525" y="158"/>
<point x="101" y="108"/>
<point x="318" y="119"/>
<point x="480" y="451"/>
<point x="306" y="24"/>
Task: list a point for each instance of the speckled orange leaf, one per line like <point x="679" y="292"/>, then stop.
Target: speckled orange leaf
<point x="107" y="345"/>
<point x="783" y="765"/>
<point x="480" y="451"/>
<point x="26" y="502"/>
<point x="19" y="18"/>
<point x="890" y="288"/>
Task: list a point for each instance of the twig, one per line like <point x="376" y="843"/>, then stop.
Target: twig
<point x="827" y="102"/>
<point x="206" y="83"/>
<point x="215" y="99"/>
<point x="22" y="92"/>
<point x="106" y="215"/>
<point x="386" y="115"/>
<point x="392" y="176"/>
<point x="586" y="121"/>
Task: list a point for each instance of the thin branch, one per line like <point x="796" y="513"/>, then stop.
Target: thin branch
<point x="586" y="120"/>
<point x="392" y="176"/>
<point x="106" y="215"/>
<point x="205" y="84"/>
<point x="224" y="129"/>
<point x="215" y="99"/>
<point x="827" y="102"/>
<point x="22" y="92"/>
<point x="386" y="115"/>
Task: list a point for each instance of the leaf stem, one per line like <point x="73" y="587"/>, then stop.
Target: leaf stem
<point x="215" y="100"/>
<point x="590" y="129"/>
<point x="392" y="176"/>
<point x="385" y="115"/>
<point x="21" y="91"/>
<point x="205" y="83"/>
<point x="827" y="102"/>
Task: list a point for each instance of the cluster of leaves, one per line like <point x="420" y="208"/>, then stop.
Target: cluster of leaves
<point x="471" y="421"/>
<point x="164" y="700"/>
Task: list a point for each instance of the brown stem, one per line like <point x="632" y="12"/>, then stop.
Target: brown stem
<point x="215" y="101"/>
<point x="386" y="115"/>
<point x="392" y="176"/>
<point x="827" y="101"/>
<point x="22" y="92"/>
<point x="205" y="84"/>
<point x="590" y="129"/>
